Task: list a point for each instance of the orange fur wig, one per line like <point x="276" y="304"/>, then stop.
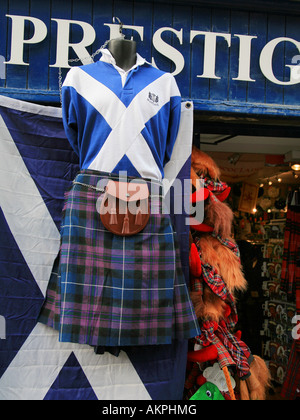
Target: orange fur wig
<point x="211" y="245"/>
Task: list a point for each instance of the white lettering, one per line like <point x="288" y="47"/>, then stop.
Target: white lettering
<point x="127" y="411"/>
<point x="20" y="24"/>
<point x="18" y="37"/>
<point x="245" y="58"/>
<point x="266" y="61"/>
<point x="210" y="46"/>
<point x="169" y="51"/>
<point x="171" y="409"/>
<point x="63" y="44"/>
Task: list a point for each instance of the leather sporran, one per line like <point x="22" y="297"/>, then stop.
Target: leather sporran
<point x="125" y="208"/>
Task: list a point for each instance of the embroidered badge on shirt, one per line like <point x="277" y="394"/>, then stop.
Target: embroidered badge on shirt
<point x="154" y="99"/>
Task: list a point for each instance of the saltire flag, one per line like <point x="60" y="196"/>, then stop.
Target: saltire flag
<point x="37" y="166"/>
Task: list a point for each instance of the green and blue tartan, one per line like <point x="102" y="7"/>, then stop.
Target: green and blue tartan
<point x="108" y="290"/>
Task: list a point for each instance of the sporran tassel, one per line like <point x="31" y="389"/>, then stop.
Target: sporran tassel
<point x="138" y="217"/>
<point x="113" y="220"/>
<point x="125" y="229"/>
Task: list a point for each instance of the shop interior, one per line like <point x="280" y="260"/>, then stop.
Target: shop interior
<point x="261" y="163"/>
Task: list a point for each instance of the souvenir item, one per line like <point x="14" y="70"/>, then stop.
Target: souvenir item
<point x="216" y="276"/>
<point x="248" y="197"/>
<point x="273" y="192"/>
<point x="208" y="392"/>
<point x="125" y="208"/>
<point x="265" y="203"/>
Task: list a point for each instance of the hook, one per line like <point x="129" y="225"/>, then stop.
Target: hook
<point x="120" y="24"/>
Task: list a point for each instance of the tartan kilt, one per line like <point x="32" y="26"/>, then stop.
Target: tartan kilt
<point x="108" y="290"/>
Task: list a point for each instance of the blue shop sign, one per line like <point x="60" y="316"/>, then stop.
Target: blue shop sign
<point x="225" y="60"/>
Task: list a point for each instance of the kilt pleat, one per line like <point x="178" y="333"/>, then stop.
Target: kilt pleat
<point x="108" y="290"/>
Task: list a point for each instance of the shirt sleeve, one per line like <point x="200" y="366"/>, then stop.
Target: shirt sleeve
<point x="174" y="120"/>
<point x="69" y="113"/>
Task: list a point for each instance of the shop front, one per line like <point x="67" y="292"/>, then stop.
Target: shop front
<point x="240" y="66"/>
<point x="226" y="59"/>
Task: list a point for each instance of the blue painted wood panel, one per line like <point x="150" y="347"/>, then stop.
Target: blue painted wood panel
<point x="39" y="81"/>
<point x="200" y="88"/>
<point x="239" y="25"/>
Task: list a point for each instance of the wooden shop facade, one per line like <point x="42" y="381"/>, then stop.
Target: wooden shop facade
<point x="239" y="63"/>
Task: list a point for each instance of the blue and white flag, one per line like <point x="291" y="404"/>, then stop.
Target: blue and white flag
<point x="37" y="166"/>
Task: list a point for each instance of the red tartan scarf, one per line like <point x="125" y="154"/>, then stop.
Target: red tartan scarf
<point x="215" y="282"/>
<point x="231" y="350"/>
<point x="216" y="187"/>
<point x="217" y="285"/>
<point x="228" y="243"/>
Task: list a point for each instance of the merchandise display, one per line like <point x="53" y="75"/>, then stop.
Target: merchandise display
<point x="290" y="285"/>
<point x="256" y="297"/>
<point x="277" y="310"/>
<point x="121" y="121"/>
<point x="118" y="281"/>
<point x="150" y="203"/>
<point x="274" y="243"/>
<point x="216" y="276"/>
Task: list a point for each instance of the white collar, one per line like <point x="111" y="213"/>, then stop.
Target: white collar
<point x="107" y="57"/>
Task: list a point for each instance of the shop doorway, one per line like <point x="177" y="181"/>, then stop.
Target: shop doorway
<point x="259" y="152"/>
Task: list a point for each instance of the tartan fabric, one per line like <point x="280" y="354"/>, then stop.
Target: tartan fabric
<point x="214" y="186"/>
<point x="239" y="351"/>
<point x="216" y="283"/>
<point x="228" y="243"/>
<point x="192" y="376"/>
<point x="231" y="350"/>
<point x="108" y="290"/>
<point x="196" y="284"/>
<point x="209" y="337"/>
<point x="291" y="386"/>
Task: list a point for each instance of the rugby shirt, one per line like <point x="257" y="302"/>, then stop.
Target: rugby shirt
<point x="121" y="121"/>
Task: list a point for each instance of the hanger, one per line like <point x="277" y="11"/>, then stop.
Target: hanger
<point x="115" y="18"/>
